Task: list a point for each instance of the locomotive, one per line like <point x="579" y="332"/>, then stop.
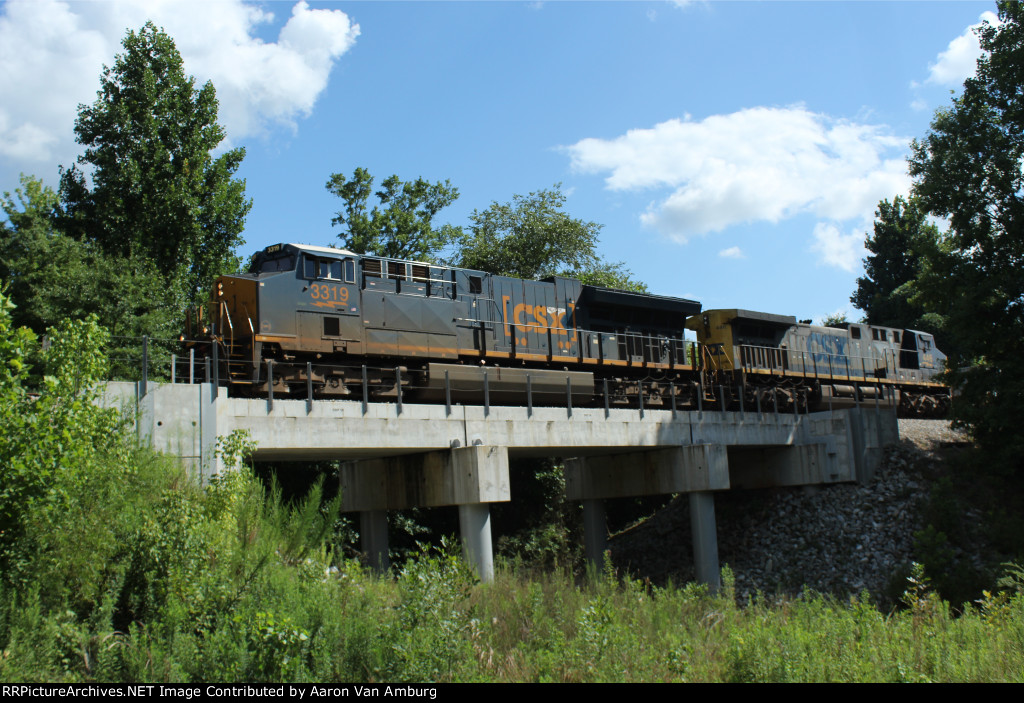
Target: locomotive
<point x="772" y="359"/>
<point x="345" y="324"/>
<point x="336" y="324"/>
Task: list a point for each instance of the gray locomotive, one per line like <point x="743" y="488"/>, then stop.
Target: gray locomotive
<point x="768" y="359"/>
<point x="345" y="324"/>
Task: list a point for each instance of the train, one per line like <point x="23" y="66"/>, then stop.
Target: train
<point x="331" y="323"/>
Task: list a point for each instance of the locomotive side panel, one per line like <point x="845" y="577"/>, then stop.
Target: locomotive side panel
<point x="537" y="318"/>
<point x="408" y="310"/>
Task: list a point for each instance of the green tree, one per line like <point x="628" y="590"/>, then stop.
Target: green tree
<point x="608" y="274"/>
<point x="530" y="237"/>
<point x="401" y="225"/>
<point x="53" y="277"/>
<point x="533" y="237"/>
<point x="885" y="292"/>
<point x="27" y="243"/>
<point x="836" y="319"/>
<point x="45" y="438"/>
<point x="156" y="190"/>
<point x="967" y="169"/>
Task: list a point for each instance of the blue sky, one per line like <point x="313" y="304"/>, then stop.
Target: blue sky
<point x="733" y="151"/>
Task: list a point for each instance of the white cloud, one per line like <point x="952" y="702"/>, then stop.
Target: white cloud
<point x="52" y="53"/>
<point x="844" y="251"/>
<point x="732" y="253"/>
<point x="757" y="164"/>
<point x="957" y="62"/>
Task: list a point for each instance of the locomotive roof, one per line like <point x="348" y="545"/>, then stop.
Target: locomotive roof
<point x="322" y="250"/>
<point x="614" y="296"/>
<point x="734" y="313"/>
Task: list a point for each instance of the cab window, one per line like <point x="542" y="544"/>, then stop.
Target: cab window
<point x="281" y="263"/>
<point x="330" y="269"/>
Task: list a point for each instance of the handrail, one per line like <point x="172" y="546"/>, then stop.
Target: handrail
<point x="226" y="314"/>
<point x="779" y="359"/>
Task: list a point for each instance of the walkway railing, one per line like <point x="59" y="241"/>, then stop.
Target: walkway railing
<point x="165" y="360"/>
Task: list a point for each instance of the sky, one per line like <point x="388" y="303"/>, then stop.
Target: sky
<point x="734" y="152"/>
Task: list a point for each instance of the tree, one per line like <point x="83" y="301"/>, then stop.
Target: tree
<point x="968" y="170"/>
<point x="885" y="291"/>
<point x="32" y="253"/>
<point x="532" y="237"/>
<point x="836" y="319"/>
<point x="46" y="437"/>
<point x="156" y="190"/>
<point x="53" y="277"/>
<point x="608" y="274"/>
<point x="401" y="226"/>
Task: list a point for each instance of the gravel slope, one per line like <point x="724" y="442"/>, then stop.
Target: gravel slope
<point x="839" y="539"/>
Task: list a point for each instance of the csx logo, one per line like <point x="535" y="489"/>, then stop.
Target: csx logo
<point x="527" y="318"/>
<point x="830" y="345"/>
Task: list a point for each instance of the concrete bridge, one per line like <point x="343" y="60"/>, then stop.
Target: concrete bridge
<point x="400" y="455"/>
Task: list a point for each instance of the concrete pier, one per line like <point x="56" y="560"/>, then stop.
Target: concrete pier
<point x="373" y="529"/>
<point x="595" y="532"/>
<point x="475" y="526"/>
<point x="469" y="477"/>
<point x="705" y="538"/>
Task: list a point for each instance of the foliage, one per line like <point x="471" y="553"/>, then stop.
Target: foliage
<point x="401" y="226"/>
<point x="532" y="237"/>
<point x="429" y="636"/>
<point x="608" y="274"/>
<point x="36" y="207"/>
<point x="885" y="292"/>
<point x="541" y="529"/>
<point x="157" y="193"/>
<point x="53" y="277"/>
<point x="50" y="437"/>
<point x="234" y="449"/>
<point x="967" y="169"/>
<point x="835" y="320"/>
